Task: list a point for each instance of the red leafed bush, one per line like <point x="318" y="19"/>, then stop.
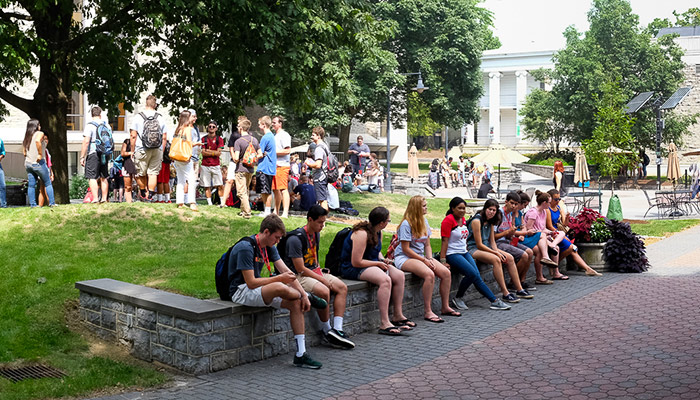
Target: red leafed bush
<point x="580" y="225"/>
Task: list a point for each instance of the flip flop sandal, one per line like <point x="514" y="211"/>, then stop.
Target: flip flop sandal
<point x="549" y="262"/>
<point x="405" y="322"/>
<point x="544" y="282"/>
<point x="390" y="331"/>
<point x="560" y="278"/>
<point x="436" y="320"/>
<point x="452" y="313"/>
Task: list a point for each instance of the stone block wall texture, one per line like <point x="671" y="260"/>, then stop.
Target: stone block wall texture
<point x="247" y="334"/>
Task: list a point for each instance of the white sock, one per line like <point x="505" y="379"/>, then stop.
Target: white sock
<point x="167" y="197"/>
<point x="301" y="345"/>
<point x="268" y="210"/>
<point x="209" y="200"/>
<point x="326" y="326"/>
<point x="161" y="197"/>
<point x="338" y="323"/>
<point x="186" y="202"/>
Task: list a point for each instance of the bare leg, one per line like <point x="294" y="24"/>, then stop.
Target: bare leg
<point x="105" y="190"/>
<point x="93" y="190"/>
<point x="397" y="286"/>
<point x="376" y="276"/>
<point x="421" y="270"/>
<point x="128" y="184"/>
<point x="290" y="301"/>
<point x="495" y="261"/>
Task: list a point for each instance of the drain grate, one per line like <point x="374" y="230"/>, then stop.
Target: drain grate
<point x="30" y="372"/>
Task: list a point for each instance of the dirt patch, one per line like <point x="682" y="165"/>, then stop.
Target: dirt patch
<point x="155" y="283"/>
<point x="651" y="240"/>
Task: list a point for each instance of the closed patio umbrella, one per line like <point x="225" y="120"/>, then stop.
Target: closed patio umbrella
<point x="674" y="169"/>
<point x="581" y="169"/>
<point x="413" y="171"/>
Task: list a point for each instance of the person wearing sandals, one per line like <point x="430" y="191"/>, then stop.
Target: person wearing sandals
<point x="415" y="255"/>
<point x="532" y="239"/>
<point x="454" y="254"/>
<point x="361" y="259"/>
<point x="185" y="169"/>
<point x="481" y="244"/>
<point x="566" y="248"/>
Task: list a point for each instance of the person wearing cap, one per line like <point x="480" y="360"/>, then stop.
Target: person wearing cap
<point x="148" y="161"/>
<point x="280" y="184"/>
<point x="210" y="171"/>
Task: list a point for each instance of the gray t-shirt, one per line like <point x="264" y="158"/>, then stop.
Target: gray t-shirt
<point x="240" y="146"/>
<point x="319" y="174"/>
<point x="90" y="131"/>
<point x="137" y="125"/>
<point x="416" y="244"/>
<point x="355" y="158"/>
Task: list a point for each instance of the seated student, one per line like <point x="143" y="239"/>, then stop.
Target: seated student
<point x="301" y="256"/>
<point x="484" y="189"/>
<point x="507" y="240"/>
<point x="252" y="283"/>
<point x="346" y="180"/>
<point x="532" y="239"/>
<point x="566" y="248"/>
<point x="453" y="253"/>
<point x="415" y="255"/>
<point x="536" y="218"/>
<point x="361" y="259"/>
<point x="306" y="193"/>
<point x="481" y="243"/>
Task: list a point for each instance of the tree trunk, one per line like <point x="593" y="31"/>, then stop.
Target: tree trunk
<point x="344" y="137"/>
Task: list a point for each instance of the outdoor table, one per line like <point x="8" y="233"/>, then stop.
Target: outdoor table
<point x="582" y="199"/>
<point x="677" y="200"/>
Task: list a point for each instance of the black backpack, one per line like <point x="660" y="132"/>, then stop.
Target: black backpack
<point x="223" y="284"/>
<point x="104" y="142"/>
<point x="152" y="136"/>
<point x="282" y="246"/>
<point x="166" y="153"/>
<point x="334" y="252"/>
<point x="331" y="167"/>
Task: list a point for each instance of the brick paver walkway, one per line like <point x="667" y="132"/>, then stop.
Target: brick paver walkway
<point x="631" y="340"/>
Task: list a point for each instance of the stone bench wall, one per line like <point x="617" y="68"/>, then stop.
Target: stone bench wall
<point x="201" y="336"/>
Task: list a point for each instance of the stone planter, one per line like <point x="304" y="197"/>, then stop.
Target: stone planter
<point x="592" y="254"/>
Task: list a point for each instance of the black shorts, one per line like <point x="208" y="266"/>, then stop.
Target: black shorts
<point x="94" y="169"/>
<point x="263" y="183"/>
<point x="321" y="189"/>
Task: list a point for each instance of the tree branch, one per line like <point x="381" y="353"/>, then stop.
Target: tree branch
<point x="16" y="101"/>
<point x="7" y="15"/>
<point x="123" y="16"/>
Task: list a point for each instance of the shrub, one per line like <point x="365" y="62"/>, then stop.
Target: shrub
<point x="546" y="156"/>
<point x="78" y="187"/>
<point x="580" y="226"/>
<point x="625" y="250"/>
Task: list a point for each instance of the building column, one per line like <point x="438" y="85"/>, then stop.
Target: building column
<point x="468" y="134"/>
<point x="495" y="107"/>
<point x="520" y="94"/>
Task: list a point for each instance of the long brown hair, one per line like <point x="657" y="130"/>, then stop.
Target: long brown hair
<point x="415" y="217"/>
<point x="32" y="127"/>
<point x="376" y="217"/>
<point x="182" y="122"/>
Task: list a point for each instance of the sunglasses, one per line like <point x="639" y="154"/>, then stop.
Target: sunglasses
<point x="556" y="198"/>
<point x="212" y="126"/>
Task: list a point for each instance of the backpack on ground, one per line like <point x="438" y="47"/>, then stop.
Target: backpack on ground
<point x="395" y="242"/>
<point x="152" y="136"/>
<point x="223" y="284"/>
<point x="250" y="157"/>
<point x="331" y="167"/>
<point x="104" y="141"/>
<point x="334" y="251"/>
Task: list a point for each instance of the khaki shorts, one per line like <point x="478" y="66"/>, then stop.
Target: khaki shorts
<point x="308" y="283"/>
<point x="253" y="297"/>
<point x="210" y="176"/>
<point x="281" y="179"/>
<point x="148" y="161"/>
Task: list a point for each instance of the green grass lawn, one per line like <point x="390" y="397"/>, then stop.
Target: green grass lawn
<point x="663" y="227"/>
<point x="396" y="204"/>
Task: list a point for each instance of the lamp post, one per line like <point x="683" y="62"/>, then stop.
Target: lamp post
<point x="419" y="88"/>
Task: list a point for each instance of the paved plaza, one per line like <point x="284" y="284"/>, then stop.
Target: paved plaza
<point x="615" y="336"/>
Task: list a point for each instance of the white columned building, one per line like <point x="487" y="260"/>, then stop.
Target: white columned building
<point x="495" y="107"/>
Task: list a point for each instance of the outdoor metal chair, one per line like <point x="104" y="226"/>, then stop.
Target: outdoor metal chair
<point x="514" y="186"/>
<point x="659" y="202"/>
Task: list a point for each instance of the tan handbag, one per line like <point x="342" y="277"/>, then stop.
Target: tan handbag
<point x="180" y="149"/>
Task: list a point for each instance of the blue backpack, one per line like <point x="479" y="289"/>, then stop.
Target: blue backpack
<point x="104" y="142"/>
<point x="223" y="283"/>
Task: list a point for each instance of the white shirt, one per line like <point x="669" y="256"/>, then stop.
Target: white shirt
<point x="137" y="125"/>
<point x="282" y="141"/>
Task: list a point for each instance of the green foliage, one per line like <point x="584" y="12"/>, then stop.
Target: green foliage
<point x="548" y="157"/>
<point x="540" y="120"/>
<point x="419" y="121"/>
<point x="600" y="232"/>
<point x="78" y="187"/>
<point x="613" y="49"/>
<point x="691" y="17"/>
<point x="613" y="128"/>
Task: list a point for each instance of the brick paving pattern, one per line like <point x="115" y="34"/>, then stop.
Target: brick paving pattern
<point x="637" y="339"/>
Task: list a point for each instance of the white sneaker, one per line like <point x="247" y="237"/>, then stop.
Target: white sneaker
<point x="263" y="214"/>
<point x="458" y="303"/>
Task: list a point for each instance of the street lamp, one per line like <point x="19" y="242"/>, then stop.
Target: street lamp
<point x="420" y="88"/>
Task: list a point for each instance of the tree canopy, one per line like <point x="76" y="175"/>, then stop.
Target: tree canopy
<point x="614" y="49"/>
